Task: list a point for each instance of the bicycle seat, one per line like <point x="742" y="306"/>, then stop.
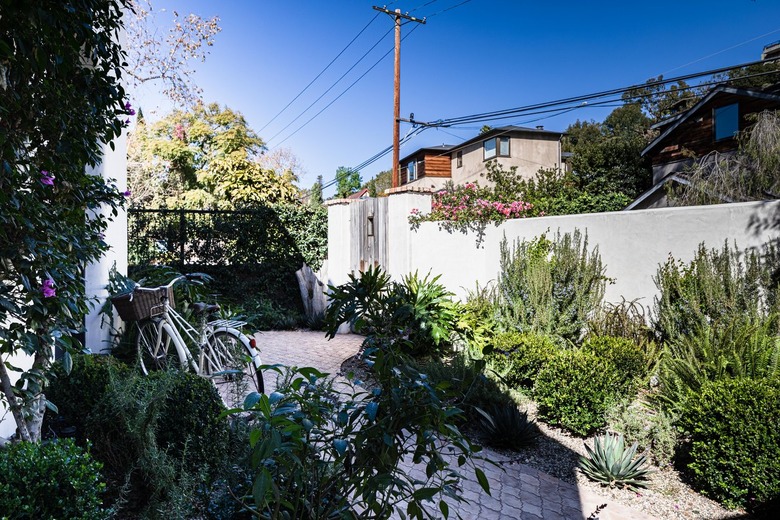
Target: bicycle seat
<point x="200" y="308"/>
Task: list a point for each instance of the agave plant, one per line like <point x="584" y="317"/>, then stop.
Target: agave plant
<point x="505" y="426"/>
<point x="610" y="463"/>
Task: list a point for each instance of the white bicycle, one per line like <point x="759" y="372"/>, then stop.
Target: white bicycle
<point x="217" y="349"/>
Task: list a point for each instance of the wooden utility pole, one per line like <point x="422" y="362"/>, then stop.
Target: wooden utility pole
<point x="398" y="16"/>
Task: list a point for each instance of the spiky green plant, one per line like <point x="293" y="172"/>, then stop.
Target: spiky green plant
<point x="610" y="463"/>
<point x="505" y="426"/>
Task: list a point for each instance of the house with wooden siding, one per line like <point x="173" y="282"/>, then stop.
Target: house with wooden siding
<point x="709" y="126"/>
<point x="526" y="149"/>
<point x="428" y="167"/>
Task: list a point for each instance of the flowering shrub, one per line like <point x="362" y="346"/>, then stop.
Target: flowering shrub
<point x="471" y="207"/>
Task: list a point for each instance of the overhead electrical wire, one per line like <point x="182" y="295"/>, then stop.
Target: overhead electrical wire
<point x="528" y="110"/>
<point x="331" y="87"/>
<point x="447" y="9"/>
<point x="321" y="73"/>
<point x="342" y="93"/>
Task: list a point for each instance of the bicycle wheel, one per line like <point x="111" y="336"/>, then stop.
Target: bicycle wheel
<point x="227" y="361"/>
<point x="153" y="354"/>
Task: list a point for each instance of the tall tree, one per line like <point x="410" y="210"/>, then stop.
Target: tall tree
<point x="348" y="182"/>
<point x="164" y="51"/>
<point x="381" y="182"/>
<point x="207" y="157"/>
<point x="315" y="197"/>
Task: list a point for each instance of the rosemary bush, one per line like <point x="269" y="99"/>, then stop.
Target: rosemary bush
<point x="550" y="286"/>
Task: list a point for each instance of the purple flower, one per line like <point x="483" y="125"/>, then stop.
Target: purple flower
<point x="48" y="288"/>
<point x="129" y="108"/>
<point x="127" y="193"/>
<point x="47" y="178"/>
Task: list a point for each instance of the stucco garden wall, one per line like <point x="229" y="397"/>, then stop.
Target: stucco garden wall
<point x="632" y="243"/>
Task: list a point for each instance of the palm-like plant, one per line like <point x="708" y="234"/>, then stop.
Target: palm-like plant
<point x="610" y="463"/>
<point x="505" y="426"/>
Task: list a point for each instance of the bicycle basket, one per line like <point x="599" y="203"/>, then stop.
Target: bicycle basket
<point x="141" y="303"/>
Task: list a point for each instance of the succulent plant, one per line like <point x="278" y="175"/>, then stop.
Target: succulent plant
<point x="505" y="426"/>
<point x="610" y="463"/>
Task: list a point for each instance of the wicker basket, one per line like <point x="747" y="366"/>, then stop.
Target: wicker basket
<point x="142" y="303"/>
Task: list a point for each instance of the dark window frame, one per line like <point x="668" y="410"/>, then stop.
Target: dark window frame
<point x="497" y="147"/>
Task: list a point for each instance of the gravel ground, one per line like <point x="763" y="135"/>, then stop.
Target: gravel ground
<point x="557" y="453"/>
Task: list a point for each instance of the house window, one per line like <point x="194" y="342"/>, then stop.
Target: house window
<point x="459" y="156"/>
<point x="498" y="146"/>
<point x="411" y="171"/>
<point x="726" y="121"/>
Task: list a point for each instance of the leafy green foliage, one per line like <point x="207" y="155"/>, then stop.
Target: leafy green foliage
<point x="53" y="479"/>
<point x="739" y="348"/>
<point x="161" y="436"/>
<point x="624" y="355"/>
<point x="245" y="263"/>
<point x="75" y="394"/>
<point x="416" y="312"/>
<point x="321" y="452"/>
<point x="477" y="318"/>
<point x="574" y="390"/>
<point x="379" y="183"/>
<point x="348" y="182"/>
<point x="611" y="464"/>
<point x="653" y="430"/>
<point x="61" y="100"/>
<point x="205" y="158"/>
<point x="550" y="286"/>
<point x="628" y="320"/>
<point x="505" y="426"/>
<point x="716" y="286"/>
<point x="518" y="357"/>
<point x="733" y="434"/>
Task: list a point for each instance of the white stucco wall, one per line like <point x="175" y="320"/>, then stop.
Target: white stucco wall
<point x="632" y="244"/>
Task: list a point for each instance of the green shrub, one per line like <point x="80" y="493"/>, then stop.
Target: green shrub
<point x="574" y="390"/>
<point x="652" y="429"/>
<point x="733" y="440"/>
<point x="623" y="354"/>
<point x="518" y="357"/>
<point x="417" y="313"/>
<point x="50" y="480"/>
<point x="550" y="286"/>
<point x="627" y="319"/>
<point x="477" y="320"/>
<point x="736" y="348"/>
<point x="76" y="394"/>
<point x="715" y="287"/>
<point x="161" y="436"/>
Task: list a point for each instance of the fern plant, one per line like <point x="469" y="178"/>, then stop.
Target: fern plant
<point x="505" y="426"/>
<point x="611" y="464"/>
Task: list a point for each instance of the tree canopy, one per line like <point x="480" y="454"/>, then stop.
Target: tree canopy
<point x="348" y="182"/>
<point x="204" y="158"/>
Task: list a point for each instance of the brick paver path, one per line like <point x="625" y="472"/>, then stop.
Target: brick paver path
<point x="519" y="492"/>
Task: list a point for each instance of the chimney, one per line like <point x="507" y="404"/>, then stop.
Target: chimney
<point x="771" y="51"/>
<point x="540" y="127"/>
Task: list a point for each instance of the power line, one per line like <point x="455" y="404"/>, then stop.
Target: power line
<point x="320" y="74"/>
<point x="329" y="88"/>
<point x="342" y="93"/>
<point x="527" y="110"/>
<point x="448" y="9"/>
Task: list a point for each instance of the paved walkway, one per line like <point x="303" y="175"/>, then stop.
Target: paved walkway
<point x="519" y="492"/>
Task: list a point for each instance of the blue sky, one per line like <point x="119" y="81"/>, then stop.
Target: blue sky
<point x="480" y="56"/>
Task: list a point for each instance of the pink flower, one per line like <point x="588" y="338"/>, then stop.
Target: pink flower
<point x="415" y="211"/>
<point x="48" y="288"/>
<point x="47" y="178"/>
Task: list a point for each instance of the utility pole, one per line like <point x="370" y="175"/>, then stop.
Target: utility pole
<point x="398" y="16"/>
